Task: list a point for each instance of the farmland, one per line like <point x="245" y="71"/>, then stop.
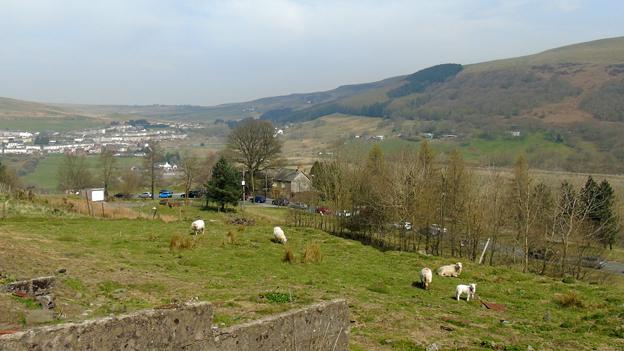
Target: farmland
<point x="120" y="265"/>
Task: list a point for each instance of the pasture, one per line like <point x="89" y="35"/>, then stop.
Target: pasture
<point x="120" y="265"/>
<point x="45" y="175"/>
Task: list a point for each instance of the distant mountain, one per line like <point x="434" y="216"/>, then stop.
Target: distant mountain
<point x="574" y="83"/>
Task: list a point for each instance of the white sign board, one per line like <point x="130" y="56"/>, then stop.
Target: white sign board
<point x="96" y="195"/>
<point x="243" y="182"/>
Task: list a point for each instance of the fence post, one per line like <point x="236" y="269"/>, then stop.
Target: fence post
<point x="484" y="248"/>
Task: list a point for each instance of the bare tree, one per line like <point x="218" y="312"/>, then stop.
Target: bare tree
<point x="8" y="177"/>
<point x="190" y="168"/>
<point x="130" y="181"/>
<point x="153" y="155"/>
<point x="107" y="167"/>
<point x="253" y="144"/>
<point x="523" y="201"/>
<point x="74" y="173"/>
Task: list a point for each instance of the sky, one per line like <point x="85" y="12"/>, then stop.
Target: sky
<point x="212" y="52"/>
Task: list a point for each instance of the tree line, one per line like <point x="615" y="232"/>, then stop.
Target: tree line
<point x="413" y="201"/>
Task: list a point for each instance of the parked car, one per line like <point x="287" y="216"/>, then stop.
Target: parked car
<point x="280" y="202"/>
<point x="195" y="194"/>
<point x="595" y="262"/>
<point x="403" y="225"/>
<point x="259" y="199"/>
<point x="298" y="205"/>
<point x="120" y="196"/>
<point x="324" y="211"/>
<point x="165" y="194"/>
<point x="145" y="195"/>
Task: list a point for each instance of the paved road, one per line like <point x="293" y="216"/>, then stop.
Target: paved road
<point x="615" y="267"/>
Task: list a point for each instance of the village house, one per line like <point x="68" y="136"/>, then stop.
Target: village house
<point x="288" y="182"/>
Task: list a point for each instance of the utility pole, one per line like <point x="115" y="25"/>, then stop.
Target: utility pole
<point x="243" y="185"/>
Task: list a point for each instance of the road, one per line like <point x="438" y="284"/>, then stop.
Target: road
<point x="614" y="267"/>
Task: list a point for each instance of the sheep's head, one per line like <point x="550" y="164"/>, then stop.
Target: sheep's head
<point x="473" y="288"/>
<point x="458" y="266"/>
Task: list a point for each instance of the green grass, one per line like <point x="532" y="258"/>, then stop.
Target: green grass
<point x="45" y="175"/>
<point x="58" y="124"/>
<point x="125" y="265"/>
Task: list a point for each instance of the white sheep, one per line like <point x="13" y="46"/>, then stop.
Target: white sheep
<point x="425" y="277"/>
<point x="279" y="235"/>
<point x="452" y="270"/>
<point x="469" y="290"/>
<point x="198" y="226"/>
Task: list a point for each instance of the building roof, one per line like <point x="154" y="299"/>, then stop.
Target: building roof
<point x="287" y="175"/>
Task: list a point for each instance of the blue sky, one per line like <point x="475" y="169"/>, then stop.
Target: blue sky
<point x="211" y="52"/>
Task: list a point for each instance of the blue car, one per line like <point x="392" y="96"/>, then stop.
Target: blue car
<point x="164" y="194"/>
<point x="259" y="199"/>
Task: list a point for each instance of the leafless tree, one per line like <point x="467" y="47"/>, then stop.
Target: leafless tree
<point x="107" y="167"/>
<point x="74" y="172"/>
<point x="253" y="144"/>
<point x="153" y="156"/>
<point x="130" y="181"/>
<point x="190" y="168"/>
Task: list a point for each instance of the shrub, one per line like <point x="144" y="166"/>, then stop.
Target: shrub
<point x="181" y="242"/>
<point x="231" y="237"/>
<point x="312" y="254"/>
<point x="276" y="297"/>
<point x="289" y="256"/>
<point x="568" y="280"/>
<point x="570" y="299"/>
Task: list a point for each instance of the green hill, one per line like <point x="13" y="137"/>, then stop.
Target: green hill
<point x="116" y="266"/>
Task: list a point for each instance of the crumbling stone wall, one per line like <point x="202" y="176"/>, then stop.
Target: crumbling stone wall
<point x="324" y="326"/>
<point x="319" y="327"/>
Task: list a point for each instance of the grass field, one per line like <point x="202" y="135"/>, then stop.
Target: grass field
<point x="120" y="265"/>
<point x="58" y="124"/>
<point x="45" y="176"/>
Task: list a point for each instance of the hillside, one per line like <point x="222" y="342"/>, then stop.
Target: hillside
<point x="122" y="265"/>
<point x="574" y="93"/>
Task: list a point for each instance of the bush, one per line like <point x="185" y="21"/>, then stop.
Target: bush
<point x="312" y="254"/>
<point x="570" y="299"/>
<point x="231" y="237"/>
<point x="181" y="242"/>
<point x="276" y="297"/>
<point x="289" y="256"/>
<point x="568" y="280"/>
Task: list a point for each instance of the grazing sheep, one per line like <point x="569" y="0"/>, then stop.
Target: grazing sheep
<point x="452" y="270"/>
<point x="279" y="235"/>
<point x="198" y="226"/>
<point x="469" y="290"/>
<point x="425" y="277"/>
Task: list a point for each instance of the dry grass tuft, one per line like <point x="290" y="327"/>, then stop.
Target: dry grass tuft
<point x="312" y="254"/>
<point x="569" y="299"/>
<point x="181" y="242"/>
<point x="231" y="238"/>
<point x="289" y="256"/>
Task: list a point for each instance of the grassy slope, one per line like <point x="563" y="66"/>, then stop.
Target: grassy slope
<point x="604" y="51"/>
<point x="122" y="265"/>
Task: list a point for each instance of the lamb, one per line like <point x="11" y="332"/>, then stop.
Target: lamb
<point x="198" y="226"/>
<point x="425" y="277"/>
<point x="469" y="290"/>
<point x="279" y="235"/>
<point x="453" y="270"/>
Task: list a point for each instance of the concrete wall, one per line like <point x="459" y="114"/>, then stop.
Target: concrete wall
<point x="319" y="327"/>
